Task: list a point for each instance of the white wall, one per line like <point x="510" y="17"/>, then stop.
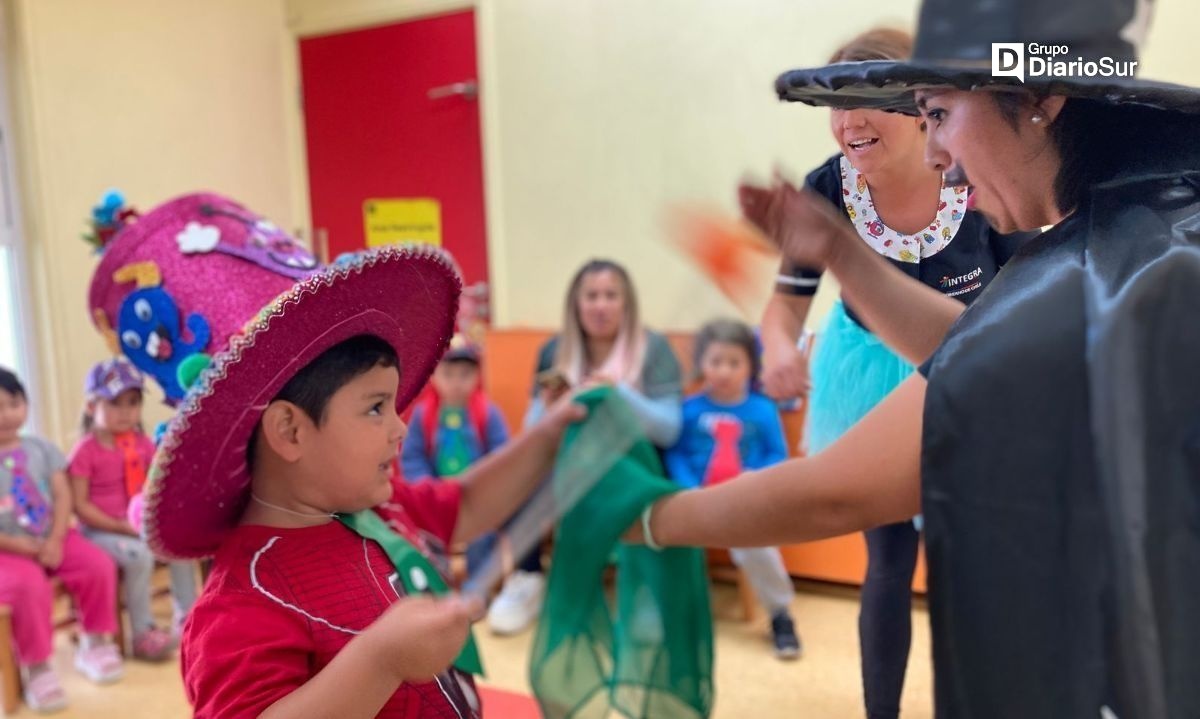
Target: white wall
<point x="597" y="114"/>
<point x="156" y="98"/>
<point x="605" y="114"/>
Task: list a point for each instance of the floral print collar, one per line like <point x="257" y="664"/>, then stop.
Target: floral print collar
<point x="856" y="196"/>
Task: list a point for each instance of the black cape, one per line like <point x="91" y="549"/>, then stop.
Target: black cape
<point x="1061" y="460"/>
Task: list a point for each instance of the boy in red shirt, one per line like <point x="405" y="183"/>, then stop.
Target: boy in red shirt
<point x="280" y="462"/>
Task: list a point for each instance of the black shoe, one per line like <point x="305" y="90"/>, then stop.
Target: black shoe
<point x="783" y="634"/>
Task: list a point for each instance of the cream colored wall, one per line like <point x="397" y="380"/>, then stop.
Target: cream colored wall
<point x="607" y="113"/>
<point x="1170" y="52"/>
<point x="602" y="114"/>
<point x="597" y="115"/>
<point x="156" y="98"/>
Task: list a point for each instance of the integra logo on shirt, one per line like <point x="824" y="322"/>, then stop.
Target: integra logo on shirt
<point x="970" y="280"/>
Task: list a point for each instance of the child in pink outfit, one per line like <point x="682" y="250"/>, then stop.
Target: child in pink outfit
<point x="37" y="543"/>
<point x="108" y="468"/>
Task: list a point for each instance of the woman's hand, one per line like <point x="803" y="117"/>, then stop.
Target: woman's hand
<point x="805" y="227"/>
<point x="563" y="411"/>
<point x="785" y="372"/>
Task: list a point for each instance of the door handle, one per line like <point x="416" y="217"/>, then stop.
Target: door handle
<point x="467" y="88"/>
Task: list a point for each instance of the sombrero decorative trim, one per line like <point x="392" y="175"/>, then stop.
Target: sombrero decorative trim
<point x="199" y="482"/>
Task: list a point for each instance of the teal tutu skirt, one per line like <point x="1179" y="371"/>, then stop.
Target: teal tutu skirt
<point x="851" y="372"/>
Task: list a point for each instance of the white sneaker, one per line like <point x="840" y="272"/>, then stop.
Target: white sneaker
<point x="518" y="603"/>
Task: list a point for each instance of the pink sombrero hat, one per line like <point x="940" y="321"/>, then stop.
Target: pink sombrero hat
<point x="199" y="483"/>
<point x="174" y="284"/>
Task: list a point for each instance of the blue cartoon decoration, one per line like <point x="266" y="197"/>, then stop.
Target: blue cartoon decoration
<point x="150" y="333"/>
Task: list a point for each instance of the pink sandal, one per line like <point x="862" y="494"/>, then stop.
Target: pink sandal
<point x="44" y="694"/>
<point x="153" y="645"/>
<point x="101" y="664"/>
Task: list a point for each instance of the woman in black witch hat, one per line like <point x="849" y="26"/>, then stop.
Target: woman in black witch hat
<point x="900" y="208"/>
<point x="1052" y="435"/>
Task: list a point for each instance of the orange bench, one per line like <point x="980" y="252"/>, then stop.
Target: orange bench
<point x="509" y="360"/>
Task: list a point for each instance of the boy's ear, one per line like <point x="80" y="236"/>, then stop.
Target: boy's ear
<point x="283" y="426"/>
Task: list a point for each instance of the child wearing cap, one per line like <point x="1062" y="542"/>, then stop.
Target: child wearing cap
<point x="321" y="599"/>
<point x="453" y="425"/>
<point x="37" y="543"/>
<point x="107" y="468"/>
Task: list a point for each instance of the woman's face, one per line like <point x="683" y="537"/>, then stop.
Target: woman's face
<point x="875" y="140"/>
<point x="974" y="144"/>
<point x="600" y="302"/>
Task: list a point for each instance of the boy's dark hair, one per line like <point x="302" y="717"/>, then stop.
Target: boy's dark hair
<point x="311" y="387"/>
<point x="729" y="332"/>
<point x="9" y="383"/>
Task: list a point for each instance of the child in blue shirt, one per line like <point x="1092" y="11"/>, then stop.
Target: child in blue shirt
<point x="728" y="428"/>
<point x="452" y="427"/>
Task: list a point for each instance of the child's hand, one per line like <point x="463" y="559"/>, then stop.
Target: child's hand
<point x="50" y="555"/>
<point x="418" y="637"/>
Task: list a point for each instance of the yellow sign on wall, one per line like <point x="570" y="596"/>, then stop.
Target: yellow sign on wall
<point x="405" y="219"/>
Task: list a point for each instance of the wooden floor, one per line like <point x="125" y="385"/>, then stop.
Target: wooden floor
<point x="750" y="682"/>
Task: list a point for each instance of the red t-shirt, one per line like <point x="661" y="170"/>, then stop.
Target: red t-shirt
<point x="104" y="469"/>
<point x="281" y="603"/>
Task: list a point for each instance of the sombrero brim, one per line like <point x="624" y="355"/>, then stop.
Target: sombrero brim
<point x="889" y="85"/>
<point x="199" y="482"/>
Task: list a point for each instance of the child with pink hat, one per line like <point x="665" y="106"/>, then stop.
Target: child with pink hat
<point x="280" y="463"/>
<point x="107" y="468"/>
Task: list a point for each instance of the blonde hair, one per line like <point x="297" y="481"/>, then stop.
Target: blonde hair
<point x="628" y="354"/>
<point x="881" y="43"/>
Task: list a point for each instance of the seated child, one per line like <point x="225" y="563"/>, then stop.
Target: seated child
<point x="107" y="469"/>
<point x="280" y="462"/>
<point x="453" y="425"/>
<point x="728" y="428"/>
<point x="37" y="543"/>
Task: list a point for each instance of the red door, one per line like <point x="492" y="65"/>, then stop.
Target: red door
<point x="391" y="114"/>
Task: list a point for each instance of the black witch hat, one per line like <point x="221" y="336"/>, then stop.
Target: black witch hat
<point x="1075" y="48"/>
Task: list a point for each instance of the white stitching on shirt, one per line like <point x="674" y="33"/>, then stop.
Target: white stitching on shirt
<point x="254" y="582"/>
<point x="367" y="561"/>
<point x="438" y="680"/>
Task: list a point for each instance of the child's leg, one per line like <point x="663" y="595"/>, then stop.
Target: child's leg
<point x="183" y="587"/>
<point x="768" y="577"/>
<point x="91" y="578"/>
<point x="25" y="588"/>
<point x="137" y="565"/>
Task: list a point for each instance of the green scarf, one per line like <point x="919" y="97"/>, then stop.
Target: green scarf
<point x="416" y="572"/>
<point x="654" y="656"/>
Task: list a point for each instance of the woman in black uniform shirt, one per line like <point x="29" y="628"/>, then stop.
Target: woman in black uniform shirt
<point x="1055" y="449"/>
<point x="900" y="209"/>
